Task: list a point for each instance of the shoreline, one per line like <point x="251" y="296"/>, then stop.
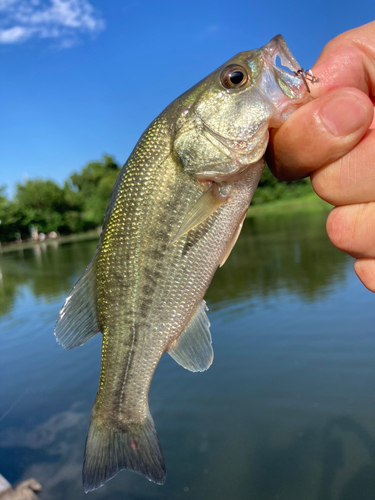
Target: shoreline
<point x="60" y="240"/>
<point x="308" y="203"/>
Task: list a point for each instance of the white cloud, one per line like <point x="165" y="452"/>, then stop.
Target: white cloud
<point x="44" y="434"/>
<point x="14" y="35"/>
<point x="21" y="20"/>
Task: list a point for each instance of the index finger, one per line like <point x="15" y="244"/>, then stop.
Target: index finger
<point x="319" y="133"/>
<point x="348" y="60"/>
<point x="304" y="143"/>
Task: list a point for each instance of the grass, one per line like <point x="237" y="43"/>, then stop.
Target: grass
<point x="307" y="203"/>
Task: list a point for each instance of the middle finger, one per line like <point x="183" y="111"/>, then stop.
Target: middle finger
<point x="351" y="228"/>
<point x="351" y="179"/>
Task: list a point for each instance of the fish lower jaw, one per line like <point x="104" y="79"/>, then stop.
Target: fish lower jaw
<point x="285" y="108"/>
<point x="207" y="179"/>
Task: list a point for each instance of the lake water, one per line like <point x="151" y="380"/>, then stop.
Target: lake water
<point x="286" y="411"/>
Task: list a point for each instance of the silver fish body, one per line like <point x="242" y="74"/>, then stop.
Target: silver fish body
<point x="174" y="215"/>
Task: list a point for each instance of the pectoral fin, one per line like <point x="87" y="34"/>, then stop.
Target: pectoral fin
<point x="232" y="241"/>
<point x="200" y="211"/>
<point x="193" y="349"/>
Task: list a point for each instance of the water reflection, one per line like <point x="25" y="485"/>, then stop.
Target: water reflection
<point x="361" y="485"/>
<point x="285" y="412"/>
<point x="285" y="252"/>
<point x="51" y="451"/>
<point x="309" y="464"/>
<point x="281" y="252"/>
<point x="46" y="270"/>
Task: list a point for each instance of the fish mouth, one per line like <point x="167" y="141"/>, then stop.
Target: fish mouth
<point x="285" y="87"/>
<point x="277" y="47"/>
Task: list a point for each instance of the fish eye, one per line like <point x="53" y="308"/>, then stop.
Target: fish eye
<point x="233" y="77"/>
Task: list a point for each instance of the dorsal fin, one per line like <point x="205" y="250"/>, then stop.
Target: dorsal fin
<point x="78" y="322"/>
<point x="193" y="349"/>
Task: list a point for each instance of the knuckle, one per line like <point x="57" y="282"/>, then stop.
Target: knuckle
<point x="339" y="228"/>
<point x="351" y="229"/>
<point x="330" y="182"/>
<point x="321" y="181"/>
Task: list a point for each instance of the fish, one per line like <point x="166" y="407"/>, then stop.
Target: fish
<point x="173" y="217"/>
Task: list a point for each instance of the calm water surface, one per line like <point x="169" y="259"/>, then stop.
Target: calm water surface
<point x="287" y="410"/>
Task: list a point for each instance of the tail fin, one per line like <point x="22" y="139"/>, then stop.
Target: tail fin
<point x="110" y="450"/>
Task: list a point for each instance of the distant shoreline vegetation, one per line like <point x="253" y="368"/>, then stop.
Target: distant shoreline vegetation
<point x="42" y="207"/>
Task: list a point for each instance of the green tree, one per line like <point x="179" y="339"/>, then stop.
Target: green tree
<point x="43" y="204"/>
<point x="8" y="218"/>
<point x="90" y="189"/>
<point x="271" y="189"/>
<point x="3" y="205"/>
<point x="81" y="203"/>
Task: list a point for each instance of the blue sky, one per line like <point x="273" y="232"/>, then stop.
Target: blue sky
<point x="80" y="78"/>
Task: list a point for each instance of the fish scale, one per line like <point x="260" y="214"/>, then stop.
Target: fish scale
<point x="180" y="285"/>
<point x="173" y="217"/>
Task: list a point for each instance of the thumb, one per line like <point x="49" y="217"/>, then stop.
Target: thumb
<point x="319" y="133"/>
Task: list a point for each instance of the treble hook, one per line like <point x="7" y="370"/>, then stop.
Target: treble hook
<point x="306" y="75"/>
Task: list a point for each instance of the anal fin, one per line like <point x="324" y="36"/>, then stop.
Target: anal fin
<point x="193" y="349"/>
<point x="78" y="321"/>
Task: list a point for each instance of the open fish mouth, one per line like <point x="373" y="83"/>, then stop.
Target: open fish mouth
<point x="286" y="85"/>
<point x="278" y="48"/>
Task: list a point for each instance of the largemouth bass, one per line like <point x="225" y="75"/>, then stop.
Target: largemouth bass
<point x="173" y="217"/>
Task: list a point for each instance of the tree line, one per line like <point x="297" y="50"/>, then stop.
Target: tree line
<point x="79" y="205"/>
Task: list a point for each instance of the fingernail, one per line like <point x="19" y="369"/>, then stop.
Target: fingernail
<point x="343" y="115"/>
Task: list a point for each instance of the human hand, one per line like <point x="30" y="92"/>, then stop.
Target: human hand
<point x="332" y="139"/>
